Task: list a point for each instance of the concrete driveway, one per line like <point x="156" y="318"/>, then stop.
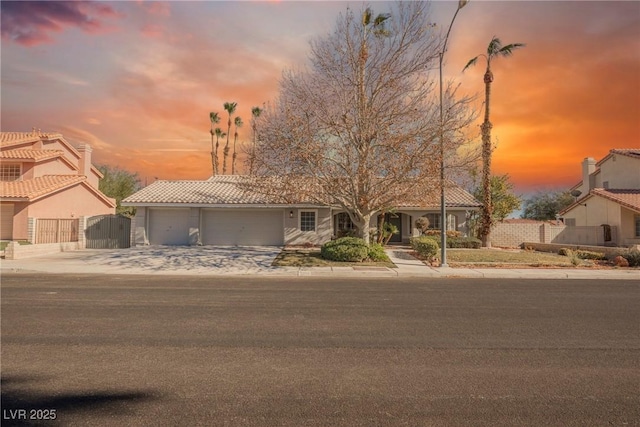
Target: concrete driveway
<point x="157" y="259"/>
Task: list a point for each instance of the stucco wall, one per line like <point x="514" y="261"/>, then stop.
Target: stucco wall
<point x="597" y="212"/>
<point x="71" y="202"/>
<point x="628" y="227"/>
<point x="52" y="167"/>
<point x="621" y="172"/>
<point x="294" y="236"/>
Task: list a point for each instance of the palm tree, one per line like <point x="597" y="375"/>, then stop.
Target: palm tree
<point x="255" y="114"/>
<point x="238" y="124"/>
<point x="215" y="119"/>
<point x="219" y="134"/>
<point x="495" y="50"/>
<point x="230" y="107"/>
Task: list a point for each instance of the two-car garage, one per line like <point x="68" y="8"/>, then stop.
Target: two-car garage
<point x="224" y="227"/>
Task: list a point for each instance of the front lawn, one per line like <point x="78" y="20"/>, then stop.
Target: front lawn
<point x="294" y="257"/>
<point x="501" y="258"/>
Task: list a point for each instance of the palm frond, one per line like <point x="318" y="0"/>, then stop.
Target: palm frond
<point x="214" y="117"/>
<point x="366" y="16"/>
<point x="471" y="63"/>
<point x="256" y="111"/>
<point x="238" y="122"/>
<point x="380" y="19"/>
<point x="230" y="107"/>
<point x="494" y="46"/>
<point x="508" y="49"/>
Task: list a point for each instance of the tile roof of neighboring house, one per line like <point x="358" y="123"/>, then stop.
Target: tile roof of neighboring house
<point x="227" y="190"/>
<point x="13" y="138"/>
<point x="35" y="155"/>
<point x="32" y="189"/>
<point x="629" y="152"/>
<point x="628" y="198"/>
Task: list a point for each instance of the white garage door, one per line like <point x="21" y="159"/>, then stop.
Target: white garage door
<point x="169" y="226"/>
<point x="243" y="227"/>
<point x="6" y="221"/>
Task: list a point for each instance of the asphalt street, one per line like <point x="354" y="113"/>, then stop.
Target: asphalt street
<point x="103" y="350"/>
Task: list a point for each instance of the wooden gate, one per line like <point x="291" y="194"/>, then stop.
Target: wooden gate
<point x="56" y="230"/>
<point x="108" y="232"/>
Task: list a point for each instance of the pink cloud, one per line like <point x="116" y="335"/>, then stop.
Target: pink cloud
<point x="30" y="23"/>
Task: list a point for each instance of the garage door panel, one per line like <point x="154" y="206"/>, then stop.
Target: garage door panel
<point x="243" y="227"/>
<point x="169" y="227"/>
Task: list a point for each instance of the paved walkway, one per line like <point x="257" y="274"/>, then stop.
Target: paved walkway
<point x="209" y="260"/>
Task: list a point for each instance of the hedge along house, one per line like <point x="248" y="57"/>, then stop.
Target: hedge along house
<point x="220" y="211"/>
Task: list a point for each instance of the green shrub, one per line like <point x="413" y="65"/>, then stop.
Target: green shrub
<point x="457" y="242"/>
<point x="377" y="253"/>
<point x="565" y="252"/>
<point x="632" y="256"/>
<point x="436" y="232"/>
<point x="425" y="246"/>
<point x="590" y="255"/>
<point x="463" y="242"/>
<point x="345" y="249"/>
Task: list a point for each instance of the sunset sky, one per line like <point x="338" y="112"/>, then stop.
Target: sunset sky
<point x="137" y="79"/>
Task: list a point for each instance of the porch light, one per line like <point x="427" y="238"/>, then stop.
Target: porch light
<point x="290" y="214"/>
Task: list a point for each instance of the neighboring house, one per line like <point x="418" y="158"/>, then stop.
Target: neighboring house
<point x="608" y="197"/>
<point x="219" y="212"/>
<point x="43" y="176"/>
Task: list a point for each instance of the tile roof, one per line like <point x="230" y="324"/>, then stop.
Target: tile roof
<point x="455" y="197"/>
<point x="13" y="138"/>
<point x="218" y="190"/>
<point x="627" y="198"/>
<point x="227" y="190"/>
<point x="25" y="154"/>
<point x="631" y="152"/>
<point x="32" y="189"/>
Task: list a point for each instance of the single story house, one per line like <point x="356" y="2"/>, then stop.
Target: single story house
<point x="219" y="212"/>
<point x="42" y="176"/>
<point x="608" y="199"/>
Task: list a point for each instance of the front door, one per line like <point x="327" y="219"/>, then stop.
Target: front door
<point x="395" y="219"/>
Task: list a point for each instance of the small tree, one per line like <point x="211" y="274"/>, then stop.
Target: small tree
<point x="546" y="205"/>
<point x="119" y="184"/>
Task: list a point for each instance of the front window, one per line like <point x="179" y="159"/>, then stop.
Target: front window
<point x="637" y="225"/>
<point x="434" y="220"/>
<point x="307" y="221"/>
<point x="344" y="223"/>
<point x="10" y="172"/>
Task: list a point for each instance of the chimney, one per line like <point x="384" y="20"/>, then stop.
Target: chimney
<point x="85" y="159"/>
<point x="588" y="167"/>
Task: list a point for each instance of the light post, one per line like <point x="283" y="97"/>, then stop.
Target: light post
<point x="443" y="208"/>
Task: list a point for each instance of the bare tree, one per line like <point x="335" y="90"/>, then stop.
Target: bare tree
<point x="358" y="127"/>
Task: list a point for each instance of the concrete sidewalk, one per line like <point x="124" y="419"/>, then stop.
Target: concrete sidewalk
<point x="209" y="261"/>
